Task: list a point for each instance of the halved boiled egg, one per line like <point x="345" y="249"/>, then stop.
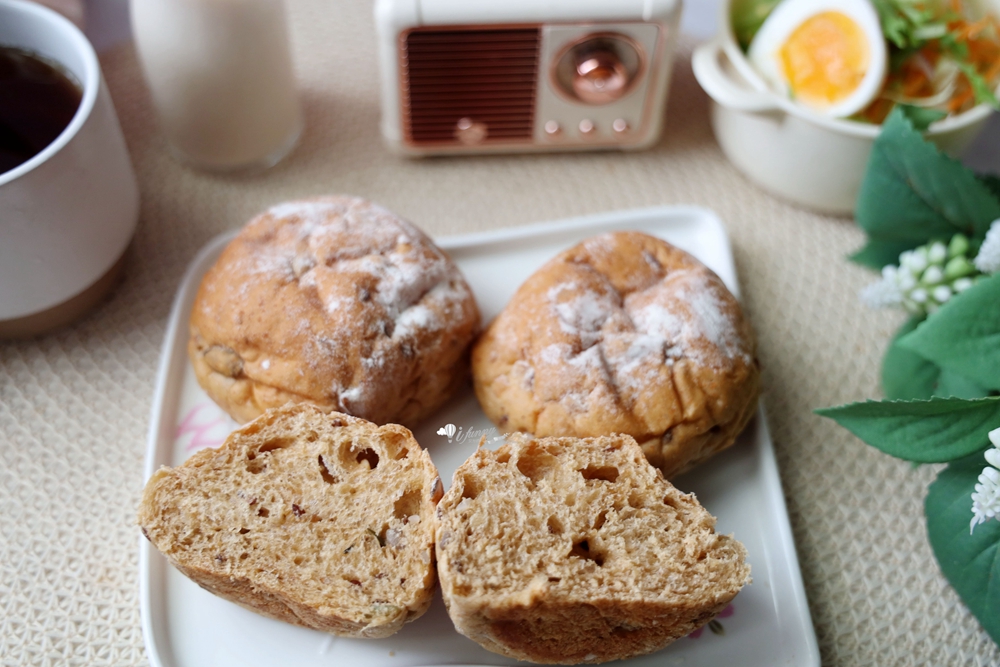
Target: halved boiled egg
<point x="829" y="55"/>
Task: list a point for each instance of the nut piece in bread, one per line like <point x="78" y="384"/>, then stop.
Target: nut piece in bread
<point x="321" y="520"/>
<point x="623" y="333"/>
<point x="336" y="302"/>
<point x="566" y="550"/>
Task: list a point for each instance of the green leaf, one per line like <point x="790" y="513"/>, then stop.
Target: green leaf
<point x="912" y="192"/>
<point x="971" y="563"/>
<point x="877" y="254"/>
<point x="895" y="27"/>
<point x="958" y="50"/>
<point x="951" y="384"/>
<point x="903" y="23"/>
<point x="920" y="117"/>
<point x="748" y="16"/>
<point x="964" y="335"/>
<point x="905" y="374"/>
<point x="934" y="431"/>
<point x="992" y="182"/>
<point x="981" y="89"/>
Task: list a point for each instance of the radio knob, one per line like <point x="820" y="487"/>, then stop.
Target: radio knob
<point x="620" y="126"/>
<point x="600" y="77"/>
<point x="599" y="68"/>
<point x="587" y="127"/>
<point x="553" y="128"/>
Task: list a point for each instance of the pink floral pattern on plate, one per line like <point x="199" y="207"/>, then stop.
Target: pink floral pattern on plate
<point x="207" y="429"/>
<point x="714" y="624"/>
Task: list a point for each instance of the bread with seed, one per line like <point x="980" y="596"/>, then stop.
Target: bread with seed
<point x="333" y="301"/>
<point x="314" y="518"/>
<point x="623" y="333"/>
<point x="576" y="550"/>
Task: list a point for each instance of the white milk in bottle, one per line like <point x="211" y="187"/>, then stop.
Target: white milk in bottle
<point x="222" y="80"/>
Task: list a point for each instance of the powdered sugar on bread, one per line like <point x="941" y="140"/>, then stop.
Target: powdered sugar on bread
<point x="622" y="334"/>
<point x="353" y="307"/>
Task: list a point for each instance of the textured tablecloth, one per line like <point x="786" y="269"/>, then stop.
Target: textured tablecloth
<point x="74" y="406"/>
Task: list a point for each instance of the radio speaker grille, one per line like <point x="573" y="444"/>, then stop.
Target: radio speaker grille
<point x="480" y="80"/>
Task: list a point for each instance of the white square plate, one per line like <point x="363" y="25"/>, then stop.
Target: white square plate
<point x="768" y="624"/>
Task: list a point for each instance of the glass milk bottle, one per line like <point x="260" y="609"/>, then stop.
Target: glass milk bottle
<point x="221" y="76"/>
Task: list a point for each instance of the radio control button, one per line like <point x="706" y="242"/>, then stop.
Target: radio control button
<point x="598" y="68"/>
<point x="620" y="126"/>
<point x="553" y="128"/>
<point x="600" y="77"/>
<point x="587" y="127"/>
<point x="470" y="132"/>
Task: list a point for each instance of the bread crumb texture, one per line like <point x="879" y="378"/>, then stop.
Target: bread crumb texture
<point x="565" y="550"/>
<point x="334" y="301"/>
<point x="623" y="333"/>
<point x="318" y="519"/>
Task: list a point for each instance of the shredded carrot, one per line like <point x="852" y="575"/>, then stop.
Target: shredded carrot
<point x="960" y="99"/>
<point x="993" y="72"/>
<point x="969" y="31"/>
<point x="912" y="78"/>
<point x="878" y="111"/>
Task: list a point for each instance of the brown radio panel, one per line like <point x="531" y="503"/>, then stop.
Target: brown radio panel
<point x="469" y="85"/>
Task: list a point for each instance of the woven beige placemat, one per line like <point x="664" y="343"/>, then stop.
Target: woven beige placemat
<point x="74" y="406"/>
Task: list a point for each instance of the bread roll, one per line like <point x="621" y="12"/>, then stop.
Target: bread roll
<point x="337" y="302"/>
<point x="623" y="333"/>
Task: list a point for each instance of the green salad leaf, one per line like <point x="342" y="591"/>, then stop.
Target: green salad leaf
<point x="971" y="563"/>
<point x="913" y="192"/>
<point x="980" y="88"/>
<point x="748" y="16"/>
<point x="934" y="431"/>
<point x="964" y="336"/>
<point x="907" y="23"/>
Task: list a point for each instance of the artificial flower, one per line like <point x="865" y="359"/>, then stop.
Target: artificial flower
<point x="988" y="259"/>
<point x="926" y="278"/>
<point x="986" y="497"/>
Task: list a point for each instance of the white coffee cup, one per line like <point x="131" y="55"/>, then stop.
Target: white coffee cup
<point x="67" y="214"/>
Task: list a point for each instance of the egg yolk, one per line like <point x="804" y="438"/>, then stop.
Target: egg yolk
<point x="825" y="59"/>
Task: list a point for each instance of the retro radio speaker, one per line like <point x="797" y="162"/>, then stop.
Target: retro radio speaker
<point x="463" y="76"/>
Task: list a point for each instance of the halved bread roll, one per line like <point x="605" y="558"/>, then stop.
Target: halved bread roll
<point x="566" y="550"/>
<point x="314" y="518"/>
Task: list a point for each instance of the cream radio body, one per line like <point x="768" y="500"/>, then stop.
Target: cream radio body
<point x="475" y="76"/>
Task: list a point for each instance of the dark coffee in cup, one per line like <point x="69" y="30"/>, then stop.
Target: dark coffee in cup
<point x="37" y="102"/>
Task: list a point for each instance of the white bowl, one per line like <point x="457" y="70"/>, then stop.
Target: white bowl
<point x="809" y="159"/>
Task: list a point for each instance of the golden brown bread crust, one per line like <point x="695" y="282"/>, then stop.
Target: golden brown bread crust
<point x="564" y="550"/>
<point x="337" y="302"/>
<point x="623" y="333"/>
<point x="580" y="633"/>
<point x="289" y="518"/>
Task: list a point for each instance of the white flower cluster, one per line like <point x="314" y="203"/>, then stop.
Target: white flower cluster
<point x="926" y="277"/>
<point x="986" y="497"/>
<point x="988" y="259"/>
